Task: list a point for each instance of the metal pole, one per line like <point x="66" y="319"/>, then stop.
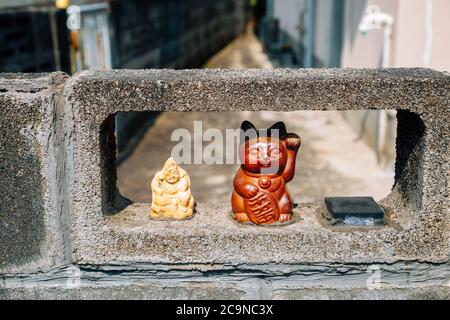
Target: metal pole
<point x="270" y="8"/>
<point x="308" y="60"/>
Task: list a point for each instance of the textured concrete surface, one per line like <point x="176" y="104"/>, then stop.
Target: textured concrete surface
<point x="340" y="281"/>
<point x="212" y="236"/>
<point x="30" y="232"/>
<point x="417" y="206"/>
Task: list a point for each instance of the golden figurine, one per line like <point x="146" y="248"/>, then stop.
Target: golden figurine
<point x="171" y="190"/>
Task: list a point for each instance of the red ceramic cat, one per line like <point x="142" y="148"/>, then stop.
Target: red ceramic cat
<point x="268" y="163"/>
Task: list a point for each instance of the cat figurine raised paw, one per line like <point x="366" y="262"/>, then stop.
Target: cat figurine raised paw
<point x="260" y="194"/>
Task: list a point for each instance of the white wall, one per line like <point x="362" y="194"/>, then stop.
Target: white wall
<point x="421" y="37"/>
<point x="423" y="34"/>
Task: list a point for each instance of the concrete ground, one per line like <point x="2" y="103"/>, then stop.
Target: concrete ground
<point x="332" y="161"/>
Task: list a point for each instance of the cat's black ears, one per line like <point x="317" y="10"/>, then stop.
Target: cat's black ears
<point x="247" y="125"/>
<point x="249" y="131"/>
<point x="281" y="132"/>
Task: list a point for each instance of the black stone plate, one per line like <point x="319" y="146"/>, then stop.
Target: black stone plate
<point x="357" y="211"/>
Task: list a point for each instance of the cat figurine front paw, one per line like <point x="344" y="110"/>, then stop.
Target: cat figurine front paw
<point x="260" y="194"/>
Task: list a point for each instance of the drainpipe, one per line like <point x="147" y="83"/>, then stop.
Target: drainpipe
<point x="269" y="8"/>
<point x="429" y="34"/>
<point x="309" y="41"/>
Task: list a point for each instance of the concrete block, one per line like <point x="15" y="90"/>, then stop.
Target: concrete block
<point x="30" y="213"/>
<point x="422" y="293"/>
<point x="108" y="230"/>
<point x="265" y="281"/>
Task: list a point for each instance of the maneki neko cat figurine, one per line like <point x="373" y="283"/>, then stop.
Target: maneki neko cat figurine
<point x="260" y="194"/>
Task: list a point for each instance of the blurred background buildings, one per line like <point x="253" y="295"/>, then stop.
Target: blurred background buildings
<point x="332" y="33"/>
<point x="134" y="34"/>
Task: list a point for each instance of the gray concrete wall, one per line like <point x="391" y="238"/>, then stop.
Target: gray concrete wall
<point x="68" y="233"/>
<point x="33" y="229"/>
<point x="381" y="281"/>
<point x="34" y="40"/>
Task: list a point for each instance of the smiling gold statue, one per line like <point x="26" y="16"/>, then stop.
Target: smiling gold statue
<point x="171" y="193"/>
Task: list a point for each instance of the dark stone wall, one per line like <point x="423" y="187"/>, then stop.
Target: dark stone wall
<point x="27" y="44"/>
<point x="176" y="34"/>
